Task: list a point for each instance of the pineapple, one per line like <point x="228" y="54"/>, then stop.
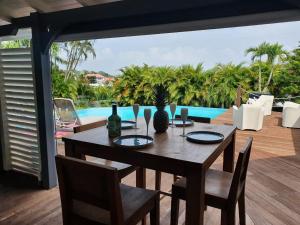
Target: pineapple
<point x="160" y="97"/>
<point x="161" y="117"/>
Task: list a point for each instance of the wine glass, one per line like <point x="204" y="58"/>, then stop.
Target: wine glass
<point x="136" y="108"/>
<point x="173" y="110"/>
<point x="184" y="116"/>
<point x="147" y="115"/>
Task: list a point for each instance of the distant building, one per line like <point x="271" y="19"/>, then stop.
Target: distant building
<point x="97" y="79"/>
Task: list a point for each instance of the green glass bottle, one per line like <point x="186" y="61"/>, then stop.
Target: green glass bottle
<point x="114" y="123"/>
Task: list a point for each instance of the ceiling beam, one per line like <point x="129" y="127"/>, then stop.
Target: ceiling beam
<point x="7" y="30"/>
<point x="293" y="2"/>
<point x="143" y="13"/>
<point x="124" y="9"/>
<point x="217" y="23"/>
<point x="146" y="18"/>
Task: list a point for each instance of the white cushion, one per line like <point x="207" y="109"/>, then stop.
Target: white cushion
<point x="248" y="117"/>
<point x="265" y="101"/>
<point x="291" y="115"/>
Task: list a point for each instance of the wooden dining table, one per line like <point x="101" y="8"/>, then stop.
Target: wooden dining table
<point x="170" y="153"/>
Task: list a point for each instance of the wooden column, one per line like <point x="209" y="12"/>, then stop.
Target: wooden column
<point x="238" y="100"/>
<point x="41" y="41"/>
<point x="1" y="141"/>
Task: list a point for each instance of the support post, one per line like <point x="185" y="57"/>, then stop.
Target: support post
<point x="238" y="96"/>
<point x="41" y="41"/>
<point x="1" y="141"/>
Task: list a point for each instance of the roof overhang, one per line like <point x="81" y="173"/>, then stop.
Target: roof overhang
<point x="139" y="17"/>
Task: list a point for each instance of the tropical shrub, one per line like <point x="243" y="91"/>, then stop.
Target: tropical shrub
<point x="287" y="81"/>
<point x="222" y="82"/>
<point x="186" y="85"/>
<point x="64" y="88"/>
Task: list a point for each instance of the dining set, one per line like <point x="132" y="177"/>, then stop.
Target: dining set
<point x="92" y="192"/>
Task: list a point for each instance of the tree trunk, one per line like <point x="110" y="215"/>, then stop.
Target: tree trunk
<point x="259" y="76"/>
<point x="269" y="79"/>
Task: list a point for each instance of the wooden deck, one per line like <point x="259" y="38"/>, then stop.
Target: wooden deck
<point x="272" y="190"/>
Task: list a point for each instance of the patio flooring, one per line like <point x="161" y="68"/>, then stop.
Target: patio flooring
<point x="272" y="189"/>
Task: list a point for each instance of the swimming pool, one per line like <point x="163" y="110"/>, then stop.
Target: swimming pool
<point x="126" y="113"/>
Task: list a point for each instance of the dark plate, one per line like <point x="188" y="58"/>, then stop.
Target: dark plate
<point x="179" y="123"/>
<point x="205" y="137"/>
<point x="133" y="141"/>
<point x="127" y="124"/>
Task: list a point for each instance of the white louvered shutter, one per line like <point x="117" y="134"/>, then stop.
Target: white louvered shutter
<point x="18" y="104"/>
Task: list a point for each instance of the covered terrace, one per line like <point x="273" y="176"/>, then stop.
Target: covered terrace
<point x="273" y="191"/>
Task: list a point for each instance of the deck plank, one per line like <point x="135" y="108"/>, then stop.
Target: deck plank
<point x="272" y="190"/>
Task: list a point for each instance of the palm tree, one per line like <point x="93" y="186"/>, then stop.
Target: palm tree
<point x="55" y="57"/>
<point x="256" y="55"/>
<point x="275" y="54"/>
<point x="77" y="51"/>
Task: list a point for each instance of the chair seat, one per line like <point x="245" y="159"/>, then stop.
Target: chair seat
<point x="123" y="168"/>
<point x="135" y="201"/>
<point x="217" y="186"/>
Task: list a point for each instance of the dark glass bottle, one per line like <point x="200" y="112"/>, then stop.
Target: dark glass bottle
<point x="114" y="123"/>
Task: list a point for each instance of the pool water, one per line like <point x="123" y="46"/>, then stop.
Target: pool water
<point x="126" y="113"/>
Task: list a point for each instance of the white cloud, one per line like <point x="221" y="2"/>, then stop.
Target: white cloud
<point x="208" y="47"/>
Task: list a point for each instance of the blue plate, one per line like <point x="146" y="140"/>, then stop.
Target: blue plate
<point x="133" y="141"/>
<point x="205" y="137"/>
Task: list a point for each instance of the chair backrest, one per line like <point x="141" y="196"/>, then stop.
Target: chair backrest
<point x="251" y="111"/>
<point x="88" y="191"/>
<point x="65" y="109"/>
<point x="267" y="102"/>
<point x="240" y="173"/>
<point x="198" y="119"/>
<point x="291" y="104"/>
<point x="89" y="126"/>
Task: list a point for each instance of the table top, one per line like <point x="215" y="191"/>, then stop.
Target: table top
<point x="169" y="145"/>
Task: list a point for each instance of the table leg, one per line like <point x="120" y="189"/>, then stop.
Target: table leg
<point x="228" y="158"/>
<point x="141" y="177"/>
<point x="69" y="149"/>
<point x="141" y="183"/>
<point x="195" y="198"/>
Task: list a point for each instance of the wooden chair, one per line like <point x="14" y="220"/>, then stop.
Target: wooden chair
<point x="92" y="195"/>
<point x="124" y="169"/>
<point x="197" y="119"/>
<point x="223" y="190"/>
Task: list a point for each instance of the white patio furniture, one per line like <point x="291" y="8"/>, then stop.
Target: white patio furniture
<point x="266" y="101"/>
<point x="248" y="117"/>
<point x="291" y="115"/>
<point x="67" y="117"/>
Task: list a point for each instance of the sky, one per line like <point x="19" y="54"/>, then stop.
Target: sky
<point x="173" y="49"/>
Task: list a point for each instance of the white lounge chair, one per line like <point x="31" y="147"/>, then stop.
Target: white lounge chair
<point x="248" y="117"/>
<point x="266" y="101"/>
<point x="66" y="113"/>
<point x="67" y="117"/>
<point x="291" y="115"/>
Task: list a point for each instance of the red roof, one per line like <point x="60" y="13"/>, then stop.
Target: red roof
<point x="97" y="75"/>
<point x="100" y="76"/>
